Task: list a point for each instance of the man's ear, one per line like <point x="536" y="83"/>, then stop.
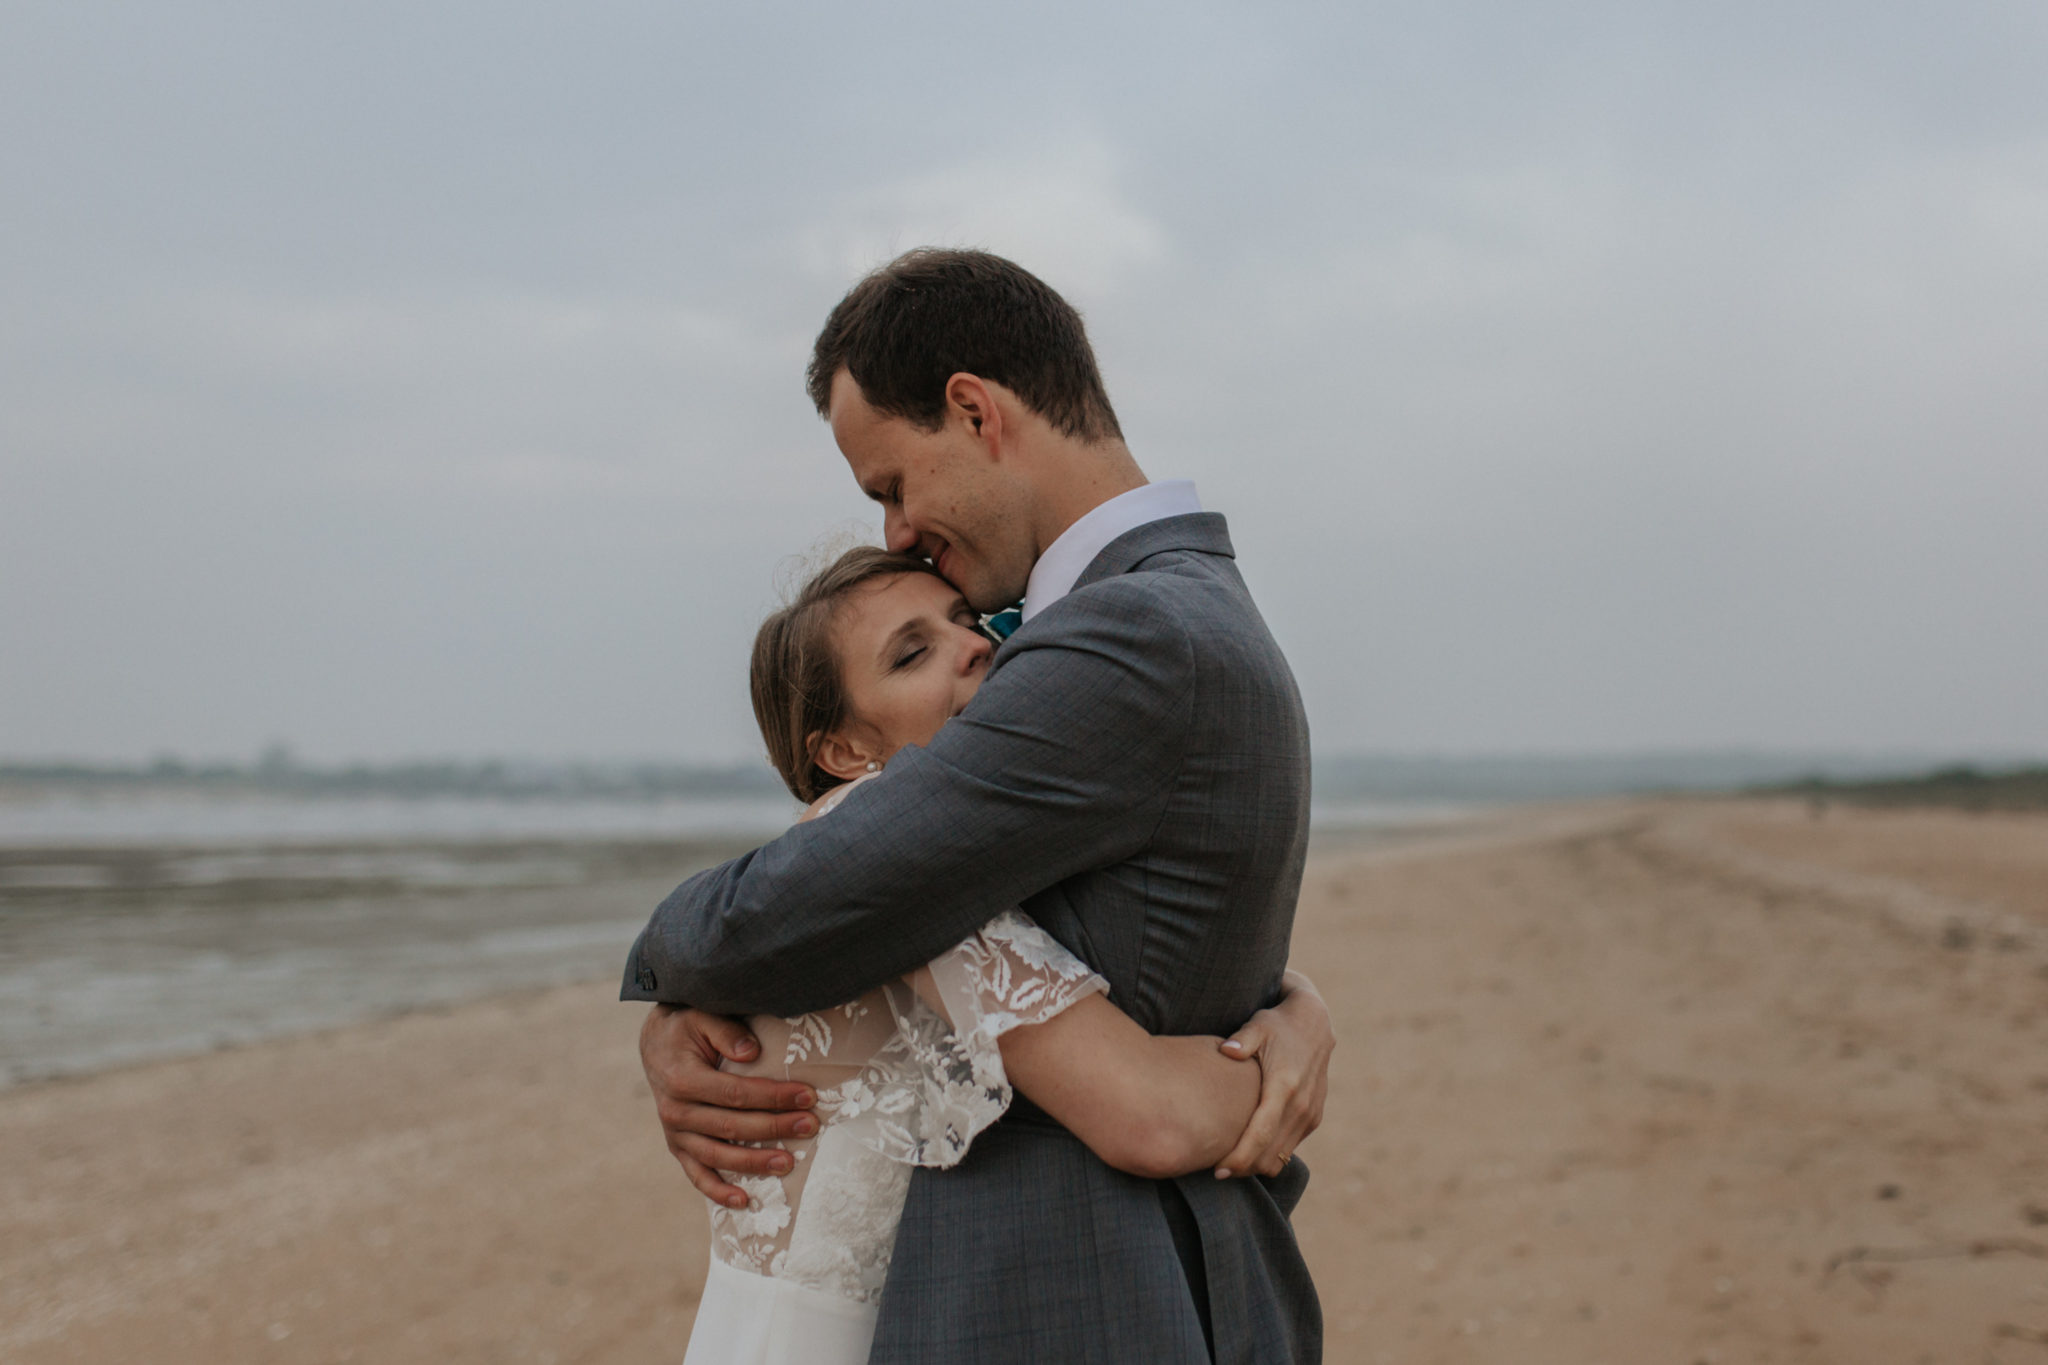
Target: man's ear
<point x="974" y="400"/>
<point x="838" y="755"/>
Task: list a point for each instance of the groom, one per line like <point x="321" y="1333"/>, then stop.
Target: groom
<point x="1133" y="772"/>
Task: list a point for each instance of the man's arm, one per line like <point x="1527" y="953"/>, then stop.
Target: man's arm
<point x="705" y="1112"/>
<point x="1062" y="763"/>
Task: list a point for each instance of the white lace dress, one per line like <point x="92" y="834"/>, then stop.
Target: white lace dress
<point x="906" y="1076"/>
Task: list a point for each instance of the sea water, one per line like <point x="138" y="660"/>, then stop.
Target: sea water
<point x="149" y="924"/>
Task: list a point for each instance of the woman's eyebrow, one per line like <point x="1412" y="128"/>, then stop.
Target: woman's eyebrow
<point x="894" y="638"/>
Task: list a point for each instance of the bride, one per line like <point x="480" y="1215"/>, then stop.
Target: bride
<point x="876" y="652"/>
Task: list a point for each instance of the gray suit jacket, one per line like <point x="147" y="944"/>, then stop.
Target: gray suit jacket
<point x="1135" y="773"/>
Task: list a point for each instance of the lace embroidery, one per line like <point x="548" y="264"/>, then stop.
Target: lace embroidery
<point x="899" y="1084"/>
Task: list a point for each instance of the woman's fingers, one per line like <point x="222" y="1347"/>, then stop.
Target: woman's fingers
<point x="1248" y="1041"/>
<point x="1287" y="1136"/>
<point x="1300" y="1115"/>
<point x="1292" y="1042"/>
<point x="1246" y="1045"/>
<point x="1290" y="1098"/>
<point x="1254" y="1143"/>
<point x="1273" y="1159"/>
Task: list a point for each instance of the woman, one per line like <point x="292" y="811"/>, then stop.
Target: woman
<point x="878" y="652"/>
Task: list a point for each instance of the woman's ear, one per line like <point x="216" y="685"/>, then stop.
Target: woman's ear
<point x="838" y="755"/>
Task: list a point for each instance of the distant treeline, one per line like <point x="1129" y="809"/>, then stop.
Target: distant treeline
<point x="277" y="773"/>
<point x="1551" y="777"/>
<point x="1338" y="778"/>
<point x="1964" y="787"/>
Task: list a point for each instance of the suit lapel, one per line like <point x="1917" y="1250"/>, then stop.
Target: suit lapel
<point x="1200" y="532"/>
<point x="1203" y="532"/>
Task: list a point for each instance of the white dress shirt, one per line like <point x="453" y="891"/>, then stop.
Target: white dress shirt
<point x="1067" y="558"/>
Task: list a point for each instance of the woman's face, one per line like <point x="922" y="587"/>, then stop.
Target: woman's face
<point x="911" y="654"/>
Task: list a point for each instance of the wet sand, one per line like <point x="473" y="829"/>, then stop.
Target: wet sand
<point x="1632" y="1082"/>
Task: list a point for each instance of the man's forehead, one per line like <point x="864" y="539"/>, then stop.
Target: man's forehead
<point x="870" y="441"/>
<point x="873" y="468"/>
<point x="854" y="421"/>
<point x="845" y="395"/>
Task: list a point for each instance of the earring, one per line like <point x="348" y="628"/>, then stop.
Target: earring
<point x="873" y="766"/>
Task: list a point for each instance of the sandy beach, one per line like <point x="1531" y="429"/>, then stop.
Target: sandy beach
<point x="1627" y="1082"/>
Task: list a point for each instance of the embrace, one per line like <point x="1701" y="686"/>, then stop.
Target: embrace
<point x="995" y="1056"/>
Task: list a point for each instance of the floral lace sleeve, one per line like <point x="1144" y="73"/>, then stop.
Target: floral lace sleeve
<point x="939" y="1080"/>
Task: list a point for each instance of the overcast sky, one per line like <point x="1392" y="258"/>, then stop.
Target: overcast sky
<point x="426" y="379"/>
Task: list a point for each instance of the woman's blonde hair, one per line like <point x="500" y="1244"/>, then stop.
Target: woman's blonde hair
<point x="799" y="691"/>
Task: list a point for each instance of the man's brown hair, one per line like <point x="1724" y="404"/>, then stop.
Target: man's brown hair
<point x="928" y="315"/>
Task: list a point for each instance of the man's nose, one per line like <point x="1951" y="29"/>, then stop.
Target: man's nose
<point x="896" y="532"/>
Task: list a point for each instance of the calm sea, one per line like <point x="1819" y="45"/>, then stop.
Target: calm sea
<point x="142" y="925"/>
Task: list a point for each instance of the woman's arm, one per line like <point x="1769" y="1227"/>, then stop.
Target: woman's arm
<point x="1162" y="1106"/>
<point x="1152" y="1106"/>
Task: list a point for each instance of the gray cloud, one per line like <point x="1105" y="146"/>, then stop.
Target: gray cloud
<point x="404" y="379"/>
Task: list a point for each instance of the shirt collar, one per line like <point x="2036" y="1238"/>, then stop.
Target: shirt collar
<point x="1063" y="562"/>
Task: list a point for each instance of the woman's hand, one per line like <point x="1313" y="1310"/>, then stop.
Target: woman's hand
<point x="1292" y="1042"/>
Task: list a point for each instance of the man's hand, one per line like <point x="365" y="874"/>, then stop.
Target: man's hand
<point x="1293" y="1042"/>
<point x="704" y="1111"/>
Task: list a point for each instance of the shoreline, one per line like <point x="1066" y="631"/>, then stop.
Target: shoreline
<point x="1623" y="1080"/>
<point x="166" y="952"/>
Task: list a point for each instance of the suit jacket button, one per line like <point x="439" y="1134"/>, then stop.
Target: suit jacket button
<point x="647" y="978"/>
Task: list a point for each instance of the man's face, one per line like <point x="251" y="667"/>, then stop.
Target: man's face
<point x="941" y="495"/>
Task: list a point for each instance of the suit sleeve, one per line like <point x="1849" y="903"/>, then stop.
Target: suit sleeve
<point x="1063" y="762"/>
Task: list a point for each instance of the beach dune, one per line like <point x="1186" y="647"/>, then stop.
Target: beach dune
<point x="1684" y="1081"/>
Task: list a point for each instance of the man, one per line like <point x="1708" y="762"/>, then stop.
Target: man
<point x="1133" y="772"/>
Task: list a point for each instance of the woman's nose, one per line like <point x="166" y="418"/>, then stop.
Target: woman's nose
<point x="977" y="651"/>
